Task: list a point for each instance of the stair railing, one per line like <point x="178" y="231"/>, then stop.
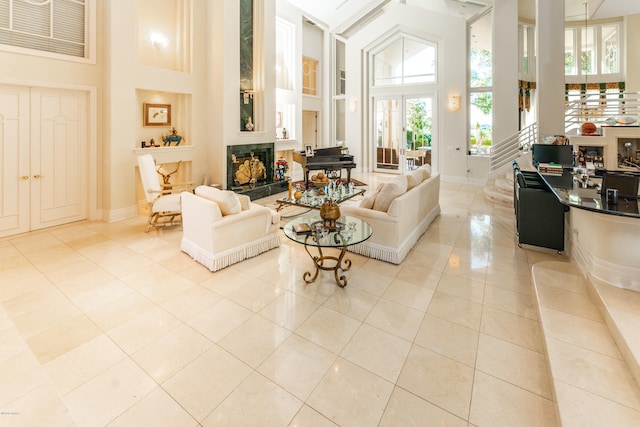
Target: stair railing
<point x="602" y="109"/>
<point x="505" y="151"/>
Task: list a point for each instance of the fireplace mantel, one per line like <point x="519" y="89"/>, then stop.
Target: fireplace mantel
<point x="168" y="154"/>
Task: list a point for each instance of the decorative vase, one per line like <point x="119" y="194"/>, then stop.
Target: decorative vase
<point x="329" y="212"/>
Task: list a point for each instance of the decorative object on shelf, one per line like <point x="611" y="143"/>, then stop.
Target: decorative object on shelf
<point x="157" y="114"/>
<point x="152" y="143"/>
<point x="172" y="137"/>
<point x="284" y="133"/>
<point x="166" y="178"/>
<point x="249" y="126"/>
<point x="588" y="128"/>
<point x="143" y="144"/>
<point x="281" y="168"/>
<point x="329" y="212"/>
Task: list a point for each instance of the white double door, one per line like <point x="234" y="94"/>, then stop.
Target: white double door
<point x="43" y="154"/>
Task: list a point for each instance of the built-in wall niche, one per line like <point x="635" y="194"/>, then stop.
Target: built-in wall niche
<point x="590" y="156"/>
<point x="285" y="121"/>
<point x="164" y="34"/>
<point x="629" y="153"/>
<point x="150" y="102"/>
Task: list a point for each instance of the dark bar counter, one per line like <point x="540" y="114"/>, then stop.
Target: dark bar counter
<point x="571" y="193"/>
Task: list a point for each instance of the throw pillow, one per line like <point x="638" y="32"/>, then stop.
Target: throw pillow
<point x="368" y="200"/>
<point x="426" y="170"/>
<point x="389" y="192"/>
<point x="227" y="200"/>
<point x="414" y="178"/>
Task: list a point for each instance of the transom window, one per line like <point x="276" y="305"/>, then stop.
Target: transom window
<point x="592" y="50"/>
<point x="405" y="61"/>
<point x="56" y="26"/>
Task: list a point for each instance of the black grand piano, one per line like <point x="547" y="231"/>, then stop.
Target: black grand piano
<point x="329" y="159"/>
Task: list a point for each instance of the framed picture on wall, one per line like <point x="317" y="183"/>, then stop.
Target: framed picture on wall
<point x="157" y="114"/>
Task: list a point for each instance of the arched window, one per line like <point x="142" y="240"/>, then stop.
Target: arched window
<point x="404" y="61"/>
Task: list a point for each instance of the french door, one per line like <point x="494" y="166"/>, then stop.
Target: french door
<point x="403" y="134"/>
<point x="43" y="141"/>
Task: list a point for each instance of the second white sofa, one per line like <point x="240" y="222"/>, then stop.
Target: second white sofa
<point x="399" y="211"/>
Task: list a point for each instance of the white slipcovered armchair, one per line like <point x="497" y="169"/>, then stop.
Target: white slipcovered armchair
<point x="221" y="227"/>
<point x="164" y="206"/>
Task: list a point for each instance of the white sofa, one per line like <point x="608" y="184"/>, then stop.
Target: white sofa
<point x="399" y="211"/>
<point x="221" y="227"/>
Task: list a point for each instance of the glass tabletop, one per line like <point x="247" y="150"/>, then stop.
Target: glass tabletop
<point x="349" y="231"/>
<point x="312" y="199"/>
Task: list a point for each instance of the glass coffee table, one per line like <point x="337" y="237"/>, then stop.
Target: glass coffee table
<point x="311" y="199"/>
<point x="349" y="231"/>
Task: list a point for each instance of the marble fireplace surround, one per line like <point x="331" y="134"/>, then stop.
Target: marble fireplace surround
<point x="264" y="185"/>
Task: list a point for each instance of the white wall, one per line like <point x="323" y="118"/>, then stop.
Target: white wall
<point x="505" y="43"/>
<point x="85" y="75"/>
<point x="449" y="33"/>
<point x="632" y="57"/>
<point x="313" y="47"/>
<point x="124" y="80"/>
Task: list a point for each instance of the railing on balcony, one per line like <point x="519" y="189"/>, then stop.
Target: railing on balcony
<point x="510" y="148"/>
<point x="602" y="109"/>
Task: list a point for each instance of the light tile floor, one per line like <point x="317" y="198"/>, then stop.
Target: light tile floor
<point x="102" y="324"/>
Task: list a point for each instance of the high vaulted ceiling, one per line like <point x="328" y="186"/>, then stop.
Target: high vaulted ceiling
<point x="345" y="16"/>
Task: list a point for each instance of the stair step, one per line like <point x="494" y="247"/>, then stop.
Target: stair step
<point x="592" y="379"/>
<point x="493" y="195"/>
<point x="504" y="186"/>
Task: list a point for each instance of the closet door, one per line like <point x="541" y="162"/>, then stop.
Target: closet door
<point x="58" y="157"/>
<point x="15" y="176"/>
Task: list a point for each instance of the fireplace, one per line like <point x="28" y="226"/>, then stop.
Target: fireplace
<point x="250" y="169"/>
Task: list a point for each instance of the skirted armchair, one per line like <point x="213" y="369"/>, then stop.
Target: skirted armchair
<point x="221" y="228"/>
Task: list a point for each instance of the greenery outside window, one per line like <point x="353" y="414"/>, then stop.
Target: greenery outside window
<point x="592" y="52"/>
<point x="480" y="86"/>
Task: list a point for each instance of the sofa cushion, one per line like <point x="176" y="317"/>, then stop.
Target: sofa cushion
<point x="414" y="178"/>
<point x="245" y="201"/>
<point x="389" y="191"/>
<point x="426" y="170"/>
<point x="369" y="199"/>
<point x="227" y="200"/>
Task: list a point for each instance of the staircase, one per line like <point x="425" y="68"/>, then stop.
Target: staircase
<point x="595" y="107"/>
<point x="499" y="186"/>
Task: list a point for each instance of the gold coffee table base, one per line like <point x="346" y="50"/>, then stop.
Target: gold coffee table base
<point x="337" y="267"/>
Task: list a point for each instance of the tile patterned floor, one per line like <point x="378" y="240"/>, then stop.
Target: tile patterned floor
<point x="102" y="324"/>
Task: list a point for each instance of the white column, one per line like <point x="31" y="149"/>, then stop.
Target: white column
<point x="550" y="67"/>
<point x="505" y="43"/>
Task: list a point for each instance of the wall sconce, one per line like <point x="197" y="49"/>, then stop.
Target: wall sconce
<point x="454" y="102"/>
<point x="247" y="95"/>
<point x="158" y="40"/>
<point x="353" y="105"/>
